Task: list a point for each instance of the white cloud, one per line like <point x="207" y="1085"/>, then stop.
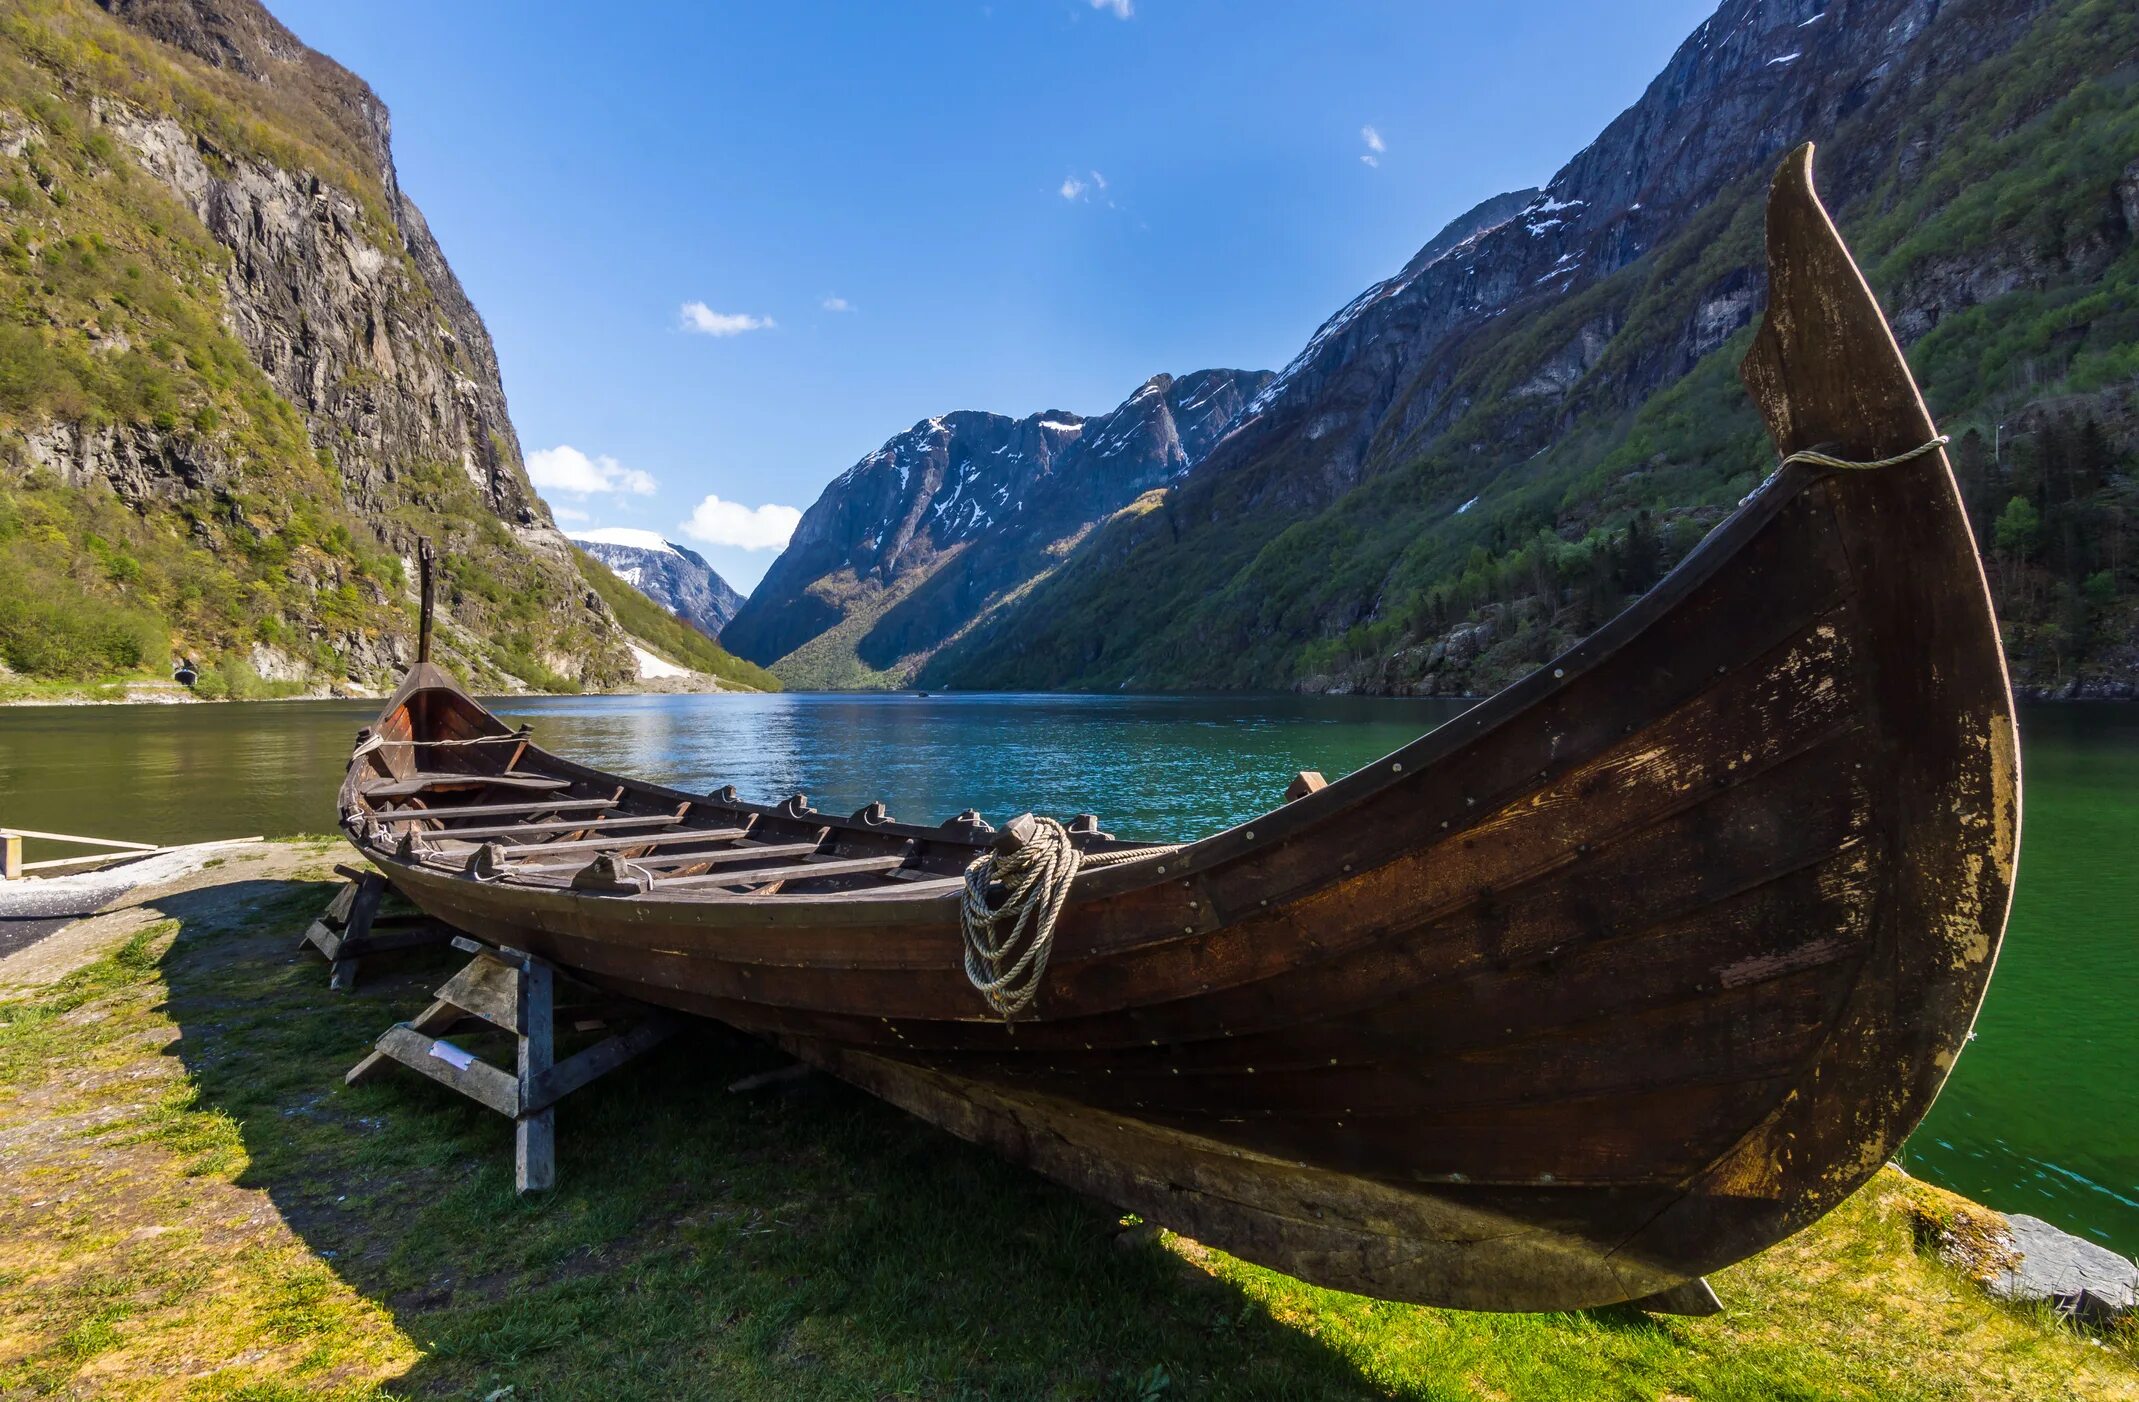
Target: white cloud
<point x="1375" y="146"/>
<point x="837" y="304"/>
<point x="1099" y="180"/>
<point x="1122" y="9"/>
<point x="1072" y="188"/>
<point x="566" y="469"/>
<point x="566" y="513"/>
<point x="699" y="317"/>
<point x="718" y="522"/>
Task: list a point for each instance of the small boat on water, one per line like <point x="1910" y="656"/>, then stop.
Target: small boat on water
<point x="1632" y="970"/>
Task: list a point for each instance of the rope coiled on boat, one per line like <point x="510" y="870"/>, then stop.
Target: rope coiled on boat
<point x="1813" y="457"/>
<point x="1007" y="943"/>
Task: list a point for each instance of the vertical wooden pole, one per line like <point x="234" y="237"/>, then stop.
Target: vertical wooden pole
<point x="535" y="1135"/>
<point x="423" y="621"/>
<point x="10" y="856"/>
<point x="363" y="908"/>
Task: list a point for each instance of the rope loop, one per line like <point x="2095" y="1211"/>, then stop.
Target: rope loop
<point x="1007" y="944"/>
<point x="1812" y="457"/>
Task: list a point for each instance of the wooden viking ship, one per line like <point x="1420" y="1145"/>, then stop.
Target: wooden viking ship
<point x="1632" y="970"/>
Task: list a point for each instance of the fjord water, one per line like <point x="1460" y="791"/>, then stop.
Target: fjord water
<point x="2040" y="1116"/>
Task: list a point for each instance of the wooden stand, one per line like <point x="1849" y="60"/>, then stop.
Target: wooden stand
<point x="352" y="927"/>
<point x="516" y="993"/>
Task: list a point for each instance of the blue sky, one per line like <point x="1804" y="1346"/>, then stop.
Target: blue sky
<point x="726" y="250"/>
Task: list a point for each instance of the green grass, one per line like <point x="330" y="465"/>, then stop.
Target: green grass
<point x="114" y="326"/>
<point x="217" y="1215"/>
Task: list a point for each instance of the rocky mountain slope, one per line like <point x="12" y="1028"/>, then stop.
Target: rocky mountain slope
<point x="959" y="515"/>
<point x="1481" y="457"/>
<point x="673" y="576"/>
<point x="238" y="379"/>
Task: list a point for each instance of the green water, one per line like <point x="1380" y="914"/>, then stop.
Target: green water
<point x="2040" y="1116"/>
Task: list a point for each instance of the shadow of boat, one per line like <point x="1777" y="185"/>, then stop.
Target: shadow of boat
<point x="811" y="1240"/>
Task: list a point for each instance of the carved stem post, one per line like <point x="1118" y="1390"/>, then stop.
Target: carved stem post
<point x="423" y="624"/>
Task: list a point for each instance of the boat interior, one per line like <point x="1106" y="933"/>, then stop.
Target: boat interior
<point x="442" y="781"/>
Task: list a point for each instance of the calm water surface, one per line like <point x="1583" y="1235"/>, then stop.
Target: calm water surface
<point x="2041" y="1116"/>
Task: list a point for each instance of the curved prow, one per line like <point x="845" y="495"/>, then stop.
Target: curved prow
<point x="1825" y="370"/>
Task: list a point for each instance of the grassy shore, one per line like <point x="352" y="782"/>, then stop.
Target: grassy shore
<point x="195" y="1206"/>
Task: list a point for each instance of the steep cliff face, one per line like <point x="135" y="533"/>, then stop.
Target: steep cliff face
<point x="1483" y="455"/>
<point x="674" y="576"/>
<point x="947" y="521"/>
<point x="228" y="316"/>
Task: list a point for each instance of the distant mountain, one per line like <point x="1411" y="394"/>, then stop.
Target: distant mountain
<point x="959" y="515"/>
<point x="673" y="576"/>
<point x="1480" y="458"/>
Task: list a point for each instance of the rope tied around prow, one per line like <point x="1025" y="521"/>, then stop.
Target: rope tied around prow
<point x="1813" y="457"/>
<point x="1028" y="871"/>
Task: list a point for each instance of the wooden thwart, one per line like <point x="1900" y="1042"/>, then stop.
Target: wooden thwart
<point x="429" y="783"/>
<point x="495" y="810"/>
<point x="516" y="993"/>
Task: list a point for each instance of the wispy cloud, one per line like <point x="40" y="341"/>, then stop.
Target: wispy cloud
<point x="837" y="304"/>
<point x="566" y="469"/>
<point x="698" y="317"/>
<point x="1375" y="146"/>
<point x="1121" y="9"/>
<point x="1078" y="187"/>
<point x="718" y="522"/>
<point x="567" y="513"/>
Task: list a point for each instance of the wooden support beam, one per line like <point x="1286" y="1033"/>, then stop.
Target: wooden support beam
<point x="10" y="856"/>
<point x="518" y="994"/>
<point x="453" y="1068"/>
<point x="350" y="928"/>
<point x="534" y="1142"/>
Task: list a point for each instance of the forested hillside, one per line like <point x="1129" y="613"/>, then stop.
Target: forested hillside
<point x="1480" y="459"/>
<point x="238" y="380"/>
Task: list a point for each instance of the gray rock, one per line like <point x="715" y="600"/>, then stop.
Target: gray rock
<point x="673" y="576"/>
<point x="2081" y="1279"/>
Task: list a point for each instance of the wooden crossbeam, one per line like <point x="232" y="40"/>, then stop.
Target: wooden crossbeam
<point x="765" y="852"/>
<point x="494" y="810"/>
<point x="655" y="820"/>
<point x="619" y="844"/>
<point x="791" y="871"/>
<point x="429" y="783"/>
